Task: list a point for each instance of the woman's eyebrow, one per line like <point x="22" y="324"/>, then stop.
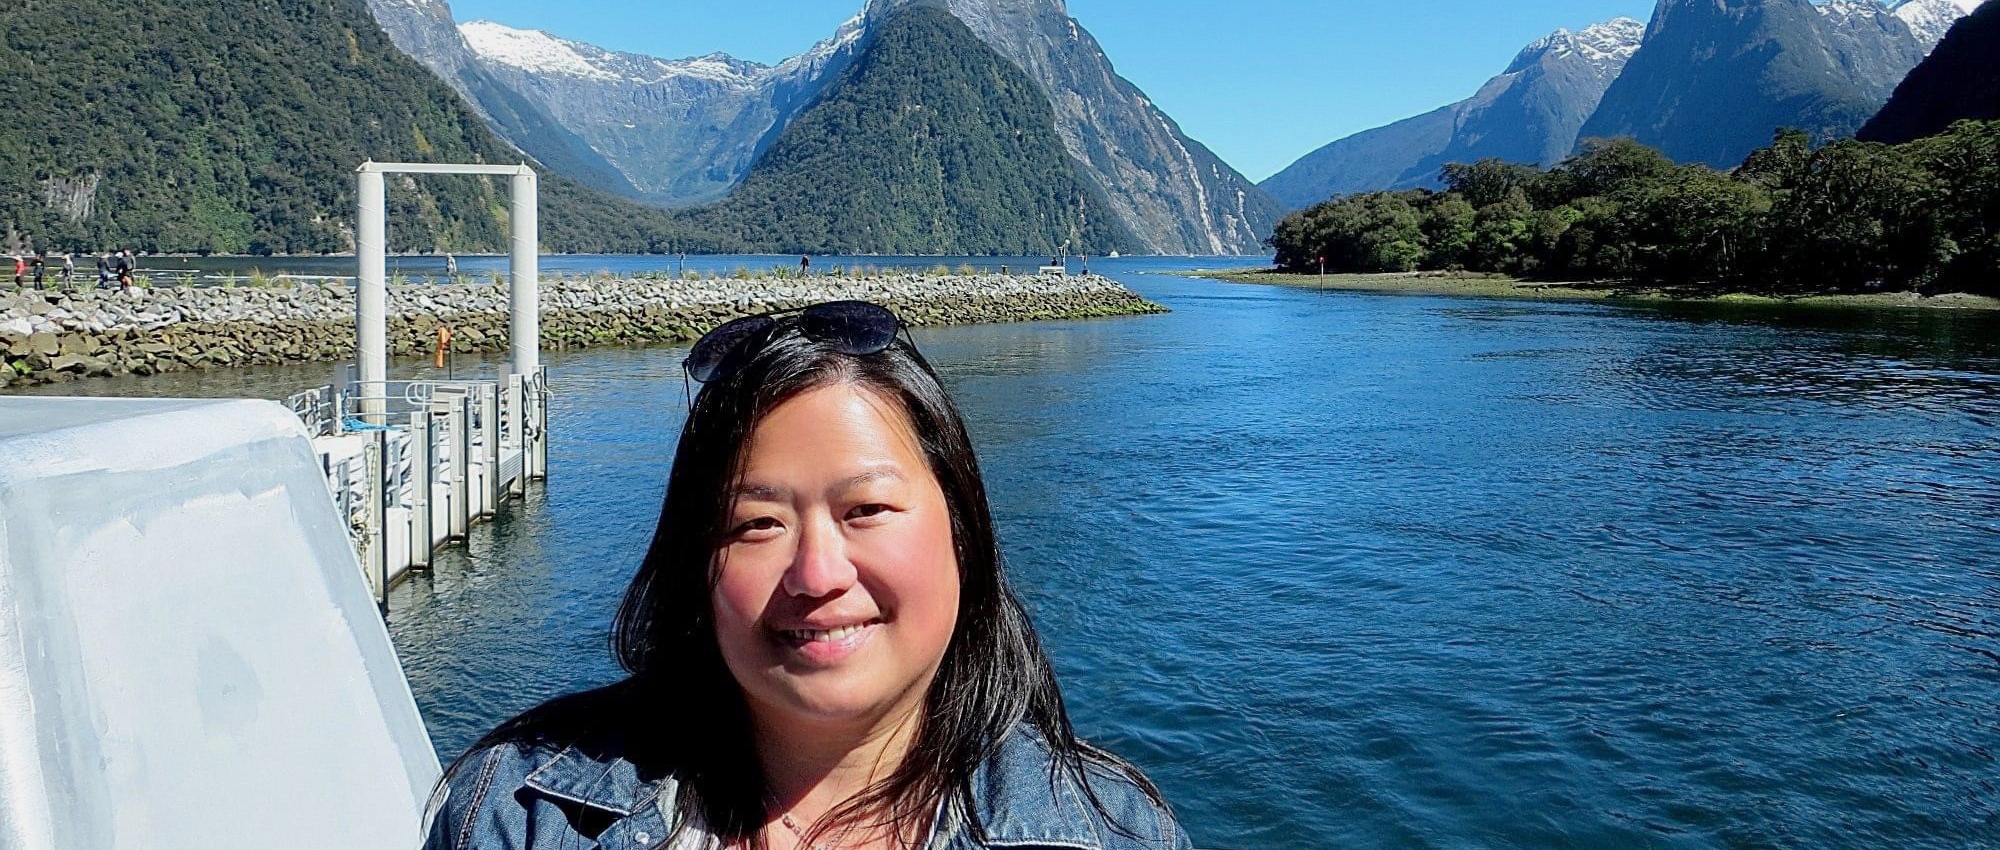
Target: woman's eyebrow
<point x="763" y="493"/>
<point x="870" y="477"/>
<point x="757" y="492"/>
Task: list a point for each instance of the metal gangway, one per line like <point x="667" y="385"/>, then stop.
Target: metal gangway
<point x="412" y="465"/>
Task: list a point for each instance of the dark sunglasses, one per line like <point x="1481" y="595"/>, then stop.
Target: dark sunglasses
<point x="856" y="328"/>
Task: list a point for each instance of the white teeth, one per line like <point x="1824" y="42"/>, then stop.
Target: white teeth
<point x="827" y="636"/>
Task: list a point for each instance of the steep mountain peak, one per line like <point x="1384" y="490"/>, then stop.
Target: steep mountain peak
<point x="1174" y="194"/>
<point x="1604" y="45"/>
<point x="1931" y="19"/>
<point x="1530" y="113"/>
<point x="1715" y="78"/>
<point x="843" y="38"/>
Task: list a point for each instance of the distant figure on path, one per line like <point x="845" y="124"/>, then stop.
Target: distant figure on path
<point x="125" y="264"/>
<point x="104" y="270"/>
<point x="41" y="264"/>
<point x="69" y="270"/>
<point x="450" y="265"/>
<point x="20" y="271"/>
<point x="805" y="264"/>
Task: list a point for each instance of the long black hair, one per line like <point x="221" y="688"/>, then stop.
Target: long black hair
<point x="682" y="713"/>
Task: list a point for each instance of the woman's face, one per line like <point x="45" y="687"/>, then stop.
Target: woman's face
<point x="839" y="582"/>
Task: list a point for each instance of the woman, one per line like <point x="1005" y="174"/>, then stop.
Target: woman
<point x="823" y="650"/>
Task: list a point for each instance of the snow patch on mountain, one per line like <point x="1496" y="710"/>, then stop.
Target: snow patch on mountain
<point x="538" y="52"/>
<point x="1845" y="11"/>
<point x="1931" y="19"/>
<point x="529" y="50"/>
<point x="1604" y="46"/>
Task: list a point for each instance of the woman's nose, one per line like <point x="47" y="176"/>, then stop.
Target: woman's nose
<point x="819" y="566"/>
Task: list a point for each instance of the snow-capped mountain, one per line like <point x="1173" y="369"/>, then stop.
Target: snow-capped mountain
<point x="681" y="130"/>
<point x="1605" y="46"/>
<point x="669" y="131"/>
<point x="424" y="30"/>
<point x="1931" y="19"/>
<point x="538" y="52"/>
<point x="1529" y="113"/>
<point x="688" y="130"/>
<point x="1716" y="78"/>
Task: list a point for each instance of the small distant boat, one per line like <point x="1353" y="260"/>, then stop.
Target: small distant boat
<point x="1111" y="256"/>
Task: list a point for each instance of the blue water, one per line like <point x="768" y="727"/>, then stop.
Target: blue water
<point x="1346" y="570"/>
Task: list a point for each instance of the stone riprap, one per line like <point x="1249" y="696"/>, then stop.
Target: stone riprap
<point x="48" y="336"/>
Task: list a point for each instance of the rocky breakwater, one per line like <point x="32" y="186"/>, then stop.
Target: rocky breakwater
<point x="47" y="336"/>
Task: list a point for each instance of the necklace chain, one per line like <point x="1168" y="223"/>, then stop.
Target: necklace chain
<point x="793" y="825"/>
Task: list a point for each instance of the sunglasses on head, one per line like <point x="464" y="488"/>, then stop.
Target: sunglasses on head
<point x="855" y="328"/>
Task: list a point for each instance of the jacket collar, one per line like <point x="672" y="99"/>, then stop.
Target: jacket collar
<point x="607" y="782"/>
<point x="1019" y="799"/>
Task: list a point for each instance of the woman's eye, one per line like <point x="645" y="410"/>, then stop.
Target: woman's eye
<point x="866" y="511"/>
<point x="756" y="528"/>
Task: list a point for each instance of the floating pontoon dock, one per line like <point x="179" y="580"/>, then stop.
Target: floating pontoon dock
<point x="446" y="454"/>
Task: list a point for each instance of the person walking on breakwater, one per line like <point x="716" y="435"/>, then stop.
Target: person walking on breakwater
<point x="805" y="264"/>
<point x="41" y="264"/>
<point x="20" y="271"/>
<point x="104" y="270"/>
<point x="69" y="270"/>
<point x="124" y="262"/>
<point x="450" y="265"/>
<point x="822" y="647"/>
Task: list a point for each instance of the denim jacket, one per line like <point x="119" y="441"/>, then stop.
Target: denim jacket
<point x="514" y="797"/>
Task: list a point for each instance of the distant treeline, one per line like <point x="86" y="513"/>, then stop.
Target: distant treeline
<point x="1848" y="217"/>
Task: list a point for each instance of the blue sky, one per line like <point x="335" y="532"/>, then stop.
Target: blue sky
<point x="1261" y="82"/>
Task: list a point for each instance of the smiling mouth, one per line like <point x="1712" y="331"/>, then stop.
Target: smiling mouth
<point x="806" y="636"/>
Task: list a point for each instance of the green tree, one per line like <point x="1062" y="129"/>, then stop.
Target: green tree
<point x="1369" y="232"/>
<point x="1861" y="218"/>
<point x="1966" y="204"/>
<point x="1604" y="167"/>
<point x="1501" y="233"/>
<point x="1488" y="181"/>
<point x="1781" y="167"/>
<point x="1696" y="227"/>
<point x="1448" y="221"/>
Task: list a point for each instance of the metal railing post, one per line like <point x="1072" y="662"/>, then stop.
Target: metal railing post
<point x="421" y="431"/>
<point x="517" y="395"/>
<point x="489" y="434"/>
<point x="375" y="515"/>
<point x="542" y="423"/>
<point x="461" y="466"/>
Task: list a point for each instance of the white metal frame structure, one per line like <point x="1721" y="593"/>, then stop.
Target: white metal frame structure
<point x="371" y="335"/>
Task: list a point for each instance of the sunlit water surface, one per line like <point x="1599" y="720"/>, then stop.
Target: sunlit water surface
<point x="1349" y="570"/>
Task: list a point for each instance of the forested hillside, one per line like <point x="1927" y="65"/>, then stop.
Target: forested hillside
<point x="1848" y="217"/>
<point x="235" y="126"/>
<point x="930" y="142"/>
